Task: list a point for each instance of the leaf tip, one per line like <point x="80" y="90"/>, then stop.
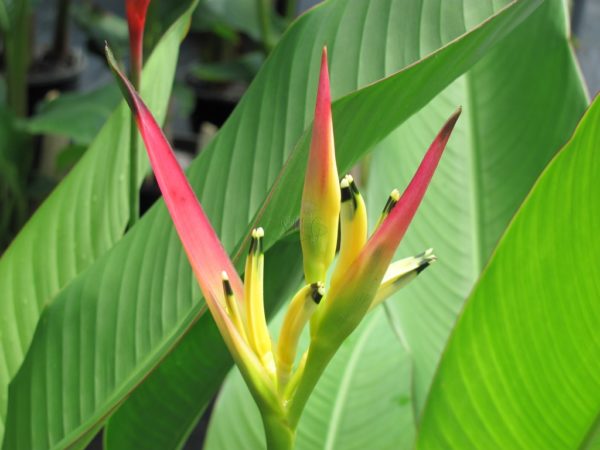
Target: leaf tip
<point x="110" y="57"/>
<point x="124" y="84"/>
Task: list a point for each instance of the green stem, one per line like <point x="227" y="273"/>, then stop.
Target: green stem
<point x="60" y="48"/>
<point x="264" y="17"/>
<point x="16" y="48"/>
<point x="134" y="198"/>
<point x="316" y="362"/>
<point x="280" y="435"/>
<point x="4" y="21"/>
<point x="290" y="9"/>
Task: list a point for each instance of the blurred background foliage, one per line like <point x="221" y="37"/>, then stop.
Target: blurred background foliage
<point x="56" y="91"/>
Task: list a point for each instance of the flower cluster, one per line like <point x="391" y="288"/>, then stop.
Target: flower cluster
<point x="360" y="278"/>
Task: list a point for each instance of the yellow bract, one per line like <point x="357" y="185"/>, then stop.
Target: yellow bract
<point x="256" y="323"/>
<point x="353" y="227"/>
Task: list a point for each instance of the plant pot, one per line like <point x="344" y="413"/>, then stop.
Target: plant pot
<point x="214" y="101"/>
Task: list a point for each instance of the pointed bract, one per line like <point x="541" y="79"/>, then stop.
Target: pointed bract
<point x="204" y="250"/>
<point x="392" y="229"/>
<point x="319" y="215"/>
<point x="207" y="256"/>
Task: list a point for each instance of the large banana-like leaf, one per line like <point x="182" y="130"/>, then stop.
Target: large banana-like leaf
<point x="133" y="424"/>
<point x="521" y="104"/>
<point x="521" y="369"/>
<point x="80" y="221"/>
<point x="349" y="409"/>
<point x="112" y="325"/>
<point x="425" y="312"/>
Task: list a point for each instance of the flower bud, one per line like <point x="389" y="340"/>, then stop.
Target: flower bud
<point x="319" y="215"/>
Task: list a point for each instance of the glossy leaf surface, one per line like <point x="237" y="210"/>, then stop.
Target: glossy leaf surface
<point x="510" y="128"/>
<point x="521" y="369"/>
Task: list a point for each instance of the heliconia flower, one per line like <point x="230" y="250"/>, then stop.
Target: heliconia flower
<point x="362" y="277"/>
<point x="135" y="11"/>
<point x="319" y="213"/>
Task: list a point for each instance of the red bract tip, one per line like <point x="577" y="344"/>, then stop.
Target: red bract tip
<point x="322" y="128"/>
<point x="392" y="230"/>
<point x="136" y="20"/>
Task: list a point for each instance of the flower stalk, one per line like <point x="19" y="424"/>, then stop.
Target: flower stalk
<point x="280" y="435"/>
<point x="362" y="276"/>
<point x="135" y="11"/>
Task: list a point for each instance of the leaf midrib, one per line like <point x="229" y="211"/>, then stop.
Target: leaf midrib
<point x="476" y="180"/>
<point x="342" y="393"/>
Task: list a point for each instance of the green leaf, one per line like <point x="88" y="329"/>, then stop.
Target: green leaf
<point x="100" y="26"/>
<point x="4" y="21"/>
<point x="243" y="68"/>
<point x="80" y="221"/>
<point x="510" y="127"/>
<point x="592" y="441"/>
<point x="239" y="15"/>
<point x="362" y="400"/>
<point x="14" y="145"/>
<point x="521" y="369"/>
<point x="78" y="116"/>
<point x="140" y="297"/>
